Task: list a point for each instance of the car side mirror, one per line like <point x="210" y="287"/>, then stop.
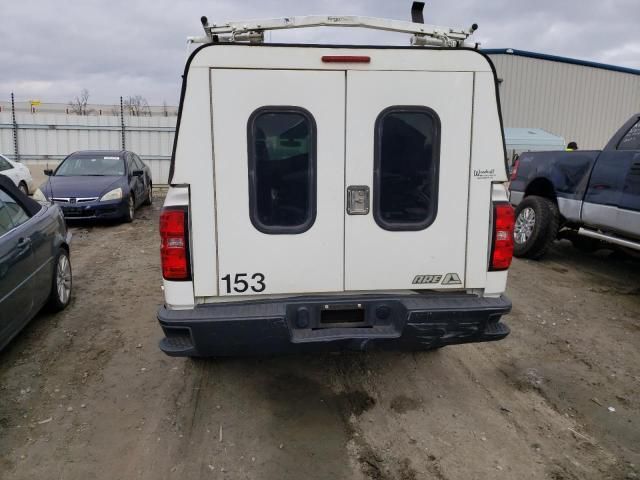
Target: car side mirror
<point x="137" y="173"/>
<point x="48" y="172"/>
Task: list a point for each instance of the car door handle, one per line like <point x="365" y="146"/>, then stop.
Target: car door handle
<point x="22" y="248"/>
<point x="24" y="243"/>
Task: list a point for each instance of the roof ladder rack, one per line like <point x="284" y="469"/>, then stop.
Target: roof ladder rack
<point x="252" y="31"/>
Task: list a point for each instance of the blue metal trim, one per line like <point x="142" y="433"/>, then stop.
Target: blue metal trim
<point x="555" y="58"/>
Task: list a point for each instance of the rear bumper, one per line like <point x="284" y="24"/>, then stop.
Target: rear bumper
<point x="297" y="324"/>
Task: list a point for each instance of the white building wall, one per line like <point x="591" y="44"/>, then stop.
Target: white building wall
<point x="580" y="103"/>
<point x="46" y="138"/>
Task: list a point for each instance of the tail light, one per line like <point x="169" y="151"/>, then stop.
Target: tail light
<point x="174" y="243"/>
<point x="502" y="246"/>
<point x="514" y="170"/>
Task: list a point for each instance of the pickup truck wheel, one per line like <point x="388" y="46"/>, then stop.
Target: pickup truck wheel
<point x="536" y="227"/>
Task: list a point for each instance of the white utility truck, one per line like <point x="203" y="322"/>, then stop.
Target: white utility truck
<point x="335" y="197"/>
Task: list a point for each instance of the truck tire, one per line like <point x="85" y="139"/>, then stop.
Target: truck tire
<point x="536" y="227"/>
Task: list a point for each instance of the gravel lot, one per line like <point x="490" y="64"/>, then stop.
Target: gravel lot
<point x="86" y="394"/>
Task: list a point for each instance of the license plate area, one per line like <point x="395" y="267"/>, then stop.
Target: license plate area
<point x="341" y="315"/>
<point x="77" y="212"/>
<point x="330" y="320"/>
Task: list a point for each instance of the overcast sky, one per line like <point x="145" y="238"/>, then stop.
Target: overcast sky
<point x="51" y="49"/>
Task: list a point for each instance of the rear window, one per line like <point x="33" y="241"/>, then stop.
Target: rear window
<point x="631" y="141"/>
<point x="6" y="223"/>
<point x="5" y="165"/>
<point x="12" y="209"/>
<point x="407" y="155"/>
<point x="282" y="169"/>
<point x="138" y="162"/>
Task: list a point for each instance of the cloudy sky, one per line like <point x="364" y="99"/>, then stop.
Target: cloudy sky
<point x="51" y="49"/>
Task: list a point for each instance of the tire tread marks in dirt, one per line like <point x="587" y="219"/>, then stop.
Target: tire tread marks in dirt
<point x="354" y="377"/>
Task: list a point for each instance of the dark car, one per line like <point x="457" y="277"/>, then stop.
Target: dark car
<point x="34" y="259"/>
<point x="100" y="185"/>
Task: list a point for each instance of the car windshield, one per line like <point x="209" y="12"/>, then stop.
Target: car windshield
<point x="91" y="165"/>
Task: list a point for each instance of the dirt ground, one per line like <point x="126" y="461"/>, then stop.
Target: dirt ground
<point x="87" y="394"/>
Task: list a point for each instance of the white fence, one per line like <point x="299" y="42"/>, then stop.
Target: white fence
<point x="43" y="140"/>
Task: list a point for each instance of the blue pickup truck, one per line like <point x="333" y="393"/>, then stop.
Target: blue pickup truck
<point x="591" y="197"/>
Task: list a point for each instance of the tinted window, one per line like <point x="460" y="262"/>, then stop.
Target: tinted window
<point x="282" y="165"/>
<point x="16" y="212"/>
<point x="4" y="165"/>
<point x="631" y="141"/>
<point x="5" y="220"/>
<point x="91" y="165"/>
<point x="138" y="163"/>
<point x="407" y="154"/>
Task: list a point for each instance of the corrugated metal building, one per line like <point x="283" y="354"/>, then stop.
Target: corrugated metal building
<point x="585" y="102"/>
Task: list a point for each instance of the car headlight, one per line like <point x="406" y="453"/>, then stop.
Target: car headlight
<point x="38" y="196"/>
<point x="115" y="194"/>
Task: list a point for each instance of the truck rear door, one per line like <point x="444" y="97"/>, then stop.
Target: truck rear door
<point x="408" y="148"/>
<point x="340" y="180"/>
<point x="279" y="174"/>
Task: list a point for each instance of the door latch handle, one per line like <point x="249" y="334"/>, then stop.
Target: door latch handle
<point x="357" y="200"/>
<point x="24" y="243"/>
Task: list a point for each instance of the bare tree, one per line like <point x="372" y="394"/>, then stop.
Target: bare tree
<point x="137" y="106"/>
<point x="79" y="104"/>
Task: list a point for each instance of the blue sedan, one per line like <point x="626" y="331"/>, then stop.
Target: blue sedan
<point x="35" y="269"/>
<point x="100" y="185"/>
